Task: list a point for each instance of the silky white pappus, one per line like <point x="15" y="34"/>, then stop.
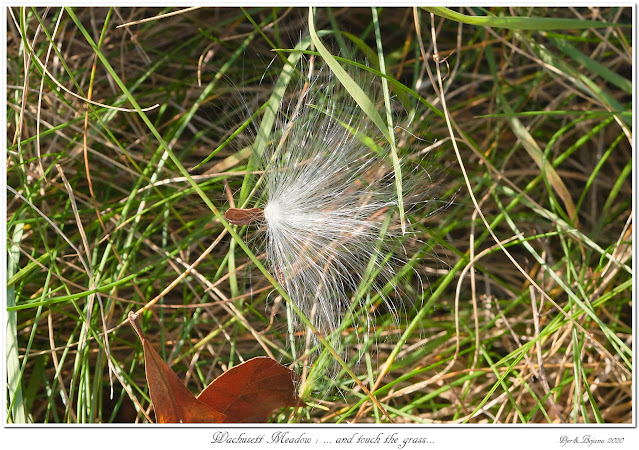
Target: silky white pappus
<point x="328" y="211"/>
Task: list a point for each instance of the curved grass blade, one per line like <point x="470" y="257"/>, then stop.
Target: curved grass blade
<point x="519" y="23"/>
<point x="367" y="106"/>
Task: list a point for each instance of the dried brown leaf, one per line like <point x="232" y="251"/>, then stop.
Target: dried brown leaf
<point x="251" y="391"/>
<point x="172" y="401"/>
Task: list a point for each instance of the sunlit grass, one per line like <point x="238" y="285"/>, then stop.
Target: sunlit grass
<point x="106" y="208"/>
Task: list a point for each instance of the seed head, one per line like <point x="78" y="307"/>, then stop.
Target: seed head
<point x="332" y="235"/>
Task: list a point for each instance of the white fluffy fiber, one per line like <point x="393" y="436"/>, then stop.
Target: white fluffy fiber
<point x="330" y="210"/>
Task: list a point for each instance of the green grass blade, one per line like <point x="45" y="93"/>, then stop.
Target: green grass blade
<point x="595" y="66"/>
<point x="519" y="23"/>
<point x="368" y="108"/>
<point x="13" y="358"/>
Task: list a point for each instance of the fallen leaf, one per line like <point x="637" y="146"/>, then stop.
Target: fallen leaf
<point x="172" y="401"/>
<point x="246" y="393"/>
<point x="251" y="391"/>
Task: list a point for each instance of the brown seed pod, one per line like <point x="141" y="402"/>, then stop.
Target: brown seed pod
<point x="239" y="216"/>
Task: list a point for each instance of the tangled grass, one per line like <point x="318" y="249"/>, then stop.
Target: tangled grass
<point x="127" y="139"/>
